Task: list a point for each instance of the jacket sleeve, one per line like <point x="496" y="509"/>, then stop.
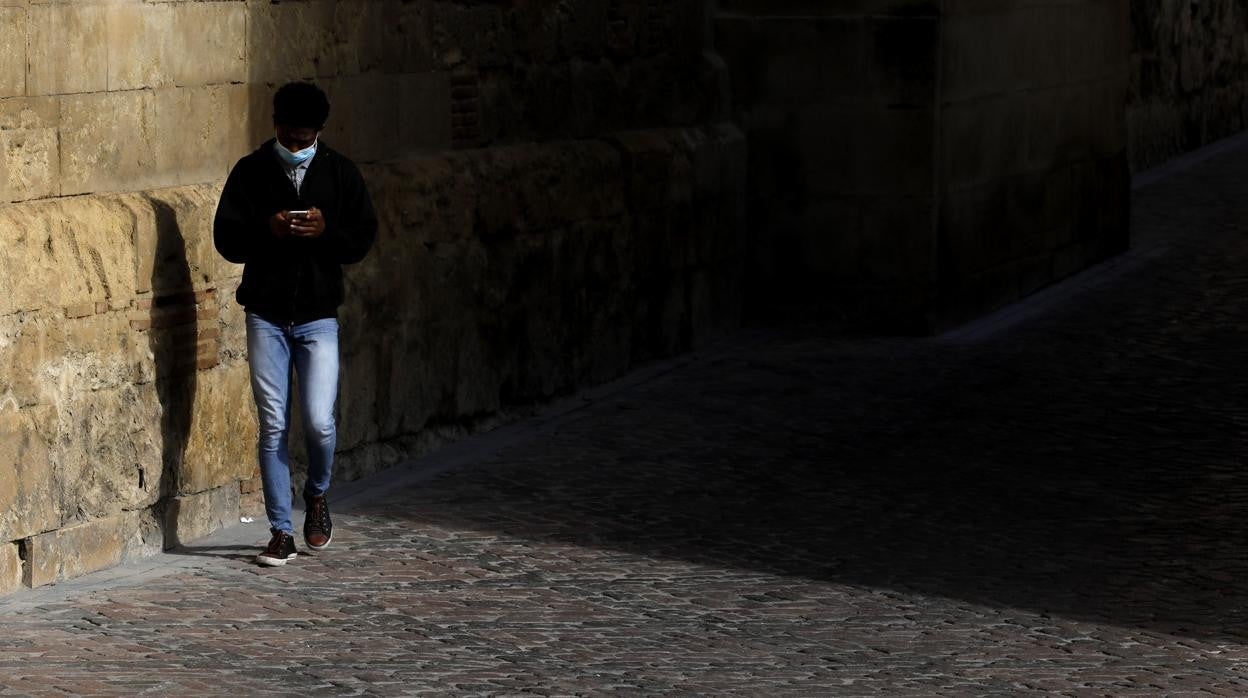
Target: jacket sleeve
<point x="349" y="237"/>
<point x="240" y="230"/>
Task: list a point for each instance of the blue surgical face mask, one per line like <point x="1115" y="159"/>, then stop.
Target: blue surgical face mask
<point x="293" y="159"/>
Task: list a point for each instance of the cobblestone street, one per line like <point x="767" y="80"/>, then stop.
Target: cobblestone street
<point x="1049" y="501"/>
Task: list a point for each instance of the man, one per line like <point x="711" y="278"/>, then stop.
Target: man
<point x="293" y="212"/>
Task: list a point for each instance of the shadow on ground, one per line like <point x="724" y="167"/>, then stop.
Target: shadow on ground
<point x="1087" y="463"/>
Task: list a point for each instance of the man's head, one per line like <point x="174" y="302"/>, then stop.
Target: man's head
<point x="299" y="113"/>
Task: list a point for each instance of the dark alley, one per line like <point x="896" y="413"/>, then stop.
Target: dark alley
<point x="1049" y="502"/>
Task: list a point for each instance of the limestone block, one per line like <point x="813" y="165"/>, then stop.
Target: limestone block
<point x="368" y="36"/>
<point x="475" y="33"/>
<point x="414" y="379"/>
<point x="141" y="45"/>
<point x="113" y="445"/>
<point x="173" y="239"/>
<point x="197" y="515"/>
<point x="364" y="120"/>
<point x="290" y="41"/>
<point x="433" y="198"/>
<point x="29" y="478"/>
<point x="30" y="164"/>
<point x="106" y="144"/>
<point x="424" y="112"/>
<point x="415" y="44"/>
<point x="68" y="49"/>
<point x="221" y="445"/>
<point x="11" y="571"/>
<point x="29" y="161"/>
<point x="1109" y="119"/>
<point x="1098" y="40"/>
<point x="150" y="537"/>
<point x="211" y="41"/>
<point x="15" y="24"/>
<point x="980" y="139"/>
<point x="233" y="324"/>
<point x="32" y="351"/>
<point x="243" y="119"/>
<point x="718" y="160"/>
<point x="1041" y="37"/>
<point x="903" y="58"/>
<point x="534" y="188"/>
<point x="197" y="115"/>
<point x="103" y="351"/>
<point x="81" y="242"/>
<point x="361" y="384"/>
<point x="976" y="51"/>
<point x="252" y="504"/>
<point x="79" y="549"/>
<point x="259" y="122"/>
<point x="584" y="30"/>
<point x="658" y="172"/>
<point x="970" y="225"/>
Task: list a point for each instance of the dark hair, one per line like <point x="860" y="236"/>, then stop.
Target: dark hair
<point x="301" y="105"/>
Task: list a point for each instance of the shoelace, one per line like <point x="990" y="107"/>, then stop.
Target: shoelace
<point x="275" y="545"/>
<point x="319" y="514"/>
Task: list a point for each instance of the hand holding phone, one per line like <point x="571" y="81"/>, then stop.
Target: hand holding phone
<point x="306" y="224"/>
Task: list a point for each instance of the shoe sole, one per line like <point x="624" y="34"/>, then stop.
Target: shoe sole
<point x="318" y="548"/>
<point x="274" y="561"/>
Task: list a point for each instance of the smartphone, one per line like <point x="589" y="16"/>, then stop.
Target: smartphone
<point x="298" y="214"/>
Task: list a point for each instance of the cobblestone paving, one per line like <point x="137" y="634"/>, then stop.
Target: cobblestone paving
<point x="1049" y="503"/>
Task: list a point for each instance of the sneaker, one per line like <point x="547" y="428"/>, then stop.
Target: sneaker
<point x="318" y="529"/>
<point x="281" y="549"/>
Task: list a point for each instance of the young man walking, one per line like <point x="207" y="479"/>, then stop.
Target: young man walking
<point x="293" y="212"/>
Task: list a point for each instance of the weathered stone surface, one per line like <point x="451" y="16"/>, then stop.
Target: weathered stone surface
<point x="105" y="145"/>
<point x="11" y="571"/>
<point x="32" y="351"/>
<point x="204" y="153"/>
<point x="365" y="119"/>
<point x="14" y="23"/>
<point x="424" y="112"/>
<point x="1187" y="85"/>
<point x="79" y="549"/>
<point x="29" y="498"/>
<point x="68" y="49"/>
<point x="221" y="444"/>
<point x="193" y="516"/>
<point x="866" y="120"/>
<point x="111" y="444"/>
<point x="50" y="240"/>
<point x="176" y="231"/>
<point x="291" y="39"/>
<point x="29" y="158"/>
<point x="504" y="275"/>
<point x="141" y="45"/>
<point x="104" y="351"/>
<point x="211" y="41"/>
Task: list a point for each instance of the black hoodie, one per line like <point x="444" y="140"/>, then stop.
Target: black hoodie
<point x="293" y="280"/>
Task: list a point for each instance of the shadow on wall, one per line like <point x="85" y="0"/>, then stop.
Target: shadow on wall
<point x="174" y="337"/>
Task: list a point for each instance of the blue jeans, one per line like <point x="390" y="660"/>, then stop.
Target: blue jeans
<point x="311" y="349"/>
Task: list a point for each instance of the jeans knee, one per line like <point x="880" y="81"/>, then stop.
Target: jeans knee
<point x="321" y="427"/>
<point x="272" y="436"/>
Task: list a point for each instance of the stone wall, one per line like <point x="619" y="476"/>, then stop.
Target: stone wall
<point x="1033" y="179"/>
<point x="558" y="201"/>
<point x="915" y="163"/>
<point x="1188" y="86"/>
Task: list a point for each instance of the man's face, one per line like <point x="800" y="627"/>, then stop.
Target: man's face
<point x="295" y="138"/>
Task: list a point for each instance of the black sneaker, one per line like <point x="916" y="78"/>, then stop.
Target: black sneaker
<point x="281" y="548"/>
<point x="318" y="529"/>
